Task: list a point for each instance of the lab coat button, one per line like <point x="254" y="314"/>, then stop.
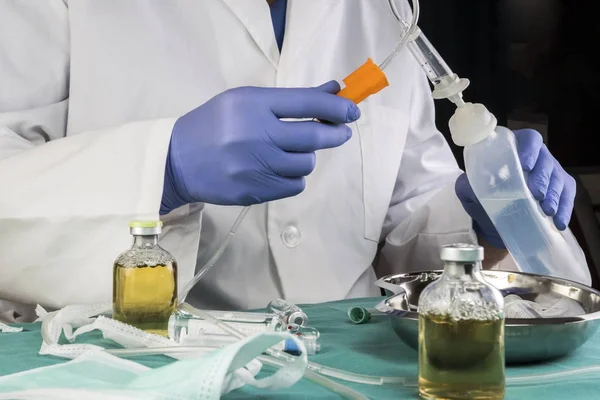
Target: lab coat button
<point x="291" y="236"/>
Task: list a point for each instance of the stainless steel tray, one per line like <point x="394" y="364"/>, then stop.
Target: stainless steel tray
<point x="526" y="340"/>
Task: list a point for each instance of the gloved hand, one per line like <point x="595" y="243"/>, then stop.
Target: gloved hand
<point x="547" y="181"/>
<point x="235" y="150"/>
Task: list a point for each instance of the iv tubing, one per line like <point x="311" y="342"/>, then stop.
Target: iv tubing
<point x="215" y="257"/>
<point x="318" y="379"/>
<point x="412" y="28"/>
<point x="573" y="374"/>
<point x="552" y="377"/>
<point x="276" y="356"/>
<point x="314" y="367"/>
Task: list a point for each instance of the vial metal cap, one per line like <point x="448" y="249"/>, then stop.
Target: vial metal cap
<point x="460" y="252"/>
<point x="298" y="318"/>
<point x="149" y="227"/>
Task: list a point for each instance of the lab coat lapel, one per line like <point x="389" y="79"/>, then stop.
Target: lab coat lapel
<point x="256" y="18"/>
<point x="305" y="18"/>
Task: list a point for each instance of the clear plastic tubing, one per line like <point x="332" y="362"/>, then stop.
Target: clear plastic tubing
<point x="215" y="257"/>
<point x="333" y="372"/>
<point x="242" y="316"/>
<point x="569" y="375"/>
<point x="409" y="29"/>
<point x="333" y="386"/>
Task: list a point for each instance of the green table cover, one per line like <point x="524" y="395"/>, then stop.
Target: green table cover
<point x="371" y="348"/>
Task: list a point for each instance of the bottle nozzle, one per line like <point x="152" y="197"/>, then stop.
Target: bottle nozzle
<point x="457" y="99"/>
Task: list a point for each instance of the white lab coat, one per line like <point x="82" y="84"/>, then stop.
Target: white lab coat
<point x="89" y="92"/>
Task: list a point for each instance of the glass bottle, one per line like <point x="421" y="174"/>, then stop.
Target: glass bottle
<point x="461" y="331"/>
<point x="145" y="281"/>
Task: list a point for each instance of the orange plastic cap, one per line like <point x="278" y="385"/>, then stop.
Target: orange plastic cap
<point x="366" y="80"/>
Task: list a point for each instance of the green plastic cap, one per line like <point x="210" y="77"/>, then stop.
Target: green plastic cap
<point x="359" y="315"/>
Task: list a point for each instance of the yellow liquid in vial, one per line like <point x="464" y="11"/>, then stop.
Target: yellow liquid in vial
<point x="461" y="359"/>
<point x="145" y="296"/>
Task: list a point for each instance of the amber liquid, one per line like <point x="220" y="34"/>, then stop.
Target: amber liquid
<point x="461" y="359"/>
<point x="145" y="296"/>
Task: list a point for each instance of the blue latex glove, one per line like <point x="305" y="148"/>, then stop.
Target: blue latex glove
<point x="547" y="181"/>
<point x="235" y="150"/>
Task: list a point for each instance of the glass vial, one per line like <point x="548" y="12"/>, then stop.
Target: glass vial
<point x="461" y="331"/>
<point x="288" y="312"/>
<point x="145" y="281"/>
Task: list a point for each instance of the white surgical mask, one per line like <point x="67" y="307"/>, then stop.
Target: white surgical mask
<point x="93" y="373"/>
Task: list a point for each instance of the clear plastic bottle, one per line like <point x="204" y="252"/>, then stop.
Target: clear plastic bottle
<point x="461" y="331"/>
<point x="497" y="178"/>
<point x="145" y="281"/>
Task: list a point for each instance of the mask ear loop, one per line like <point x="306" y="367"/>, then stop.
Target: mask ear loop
<point x="45" y="330"/>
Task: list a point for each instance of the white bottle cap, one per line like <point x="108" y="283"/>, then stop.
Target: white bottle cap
<point x="471" y="123"/>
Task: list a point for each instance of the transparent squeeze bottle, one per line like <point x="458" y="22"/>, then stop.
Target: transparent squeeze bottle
<point x="145" y="281"/>
<point x="461" y="331"/>
<point x="497" y="178"/>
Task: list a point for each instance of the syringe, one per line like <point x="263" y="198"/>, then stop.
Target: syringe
<point x="446" y="84"/>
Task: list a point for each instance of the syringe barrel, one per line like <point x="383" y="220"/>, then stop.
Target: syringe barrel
<point x="242" y="316"/>
<point x="184" y="324"/>
<point x="430" y="60"/>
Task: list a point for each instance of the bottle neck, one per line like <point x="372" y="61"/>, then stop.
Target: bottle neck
<point x="457" y="271"/>
<point x="145" y="240"/>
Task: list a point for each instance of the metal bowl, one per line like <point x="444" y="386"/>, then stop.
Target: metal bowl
<point x="526" y="340"/>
